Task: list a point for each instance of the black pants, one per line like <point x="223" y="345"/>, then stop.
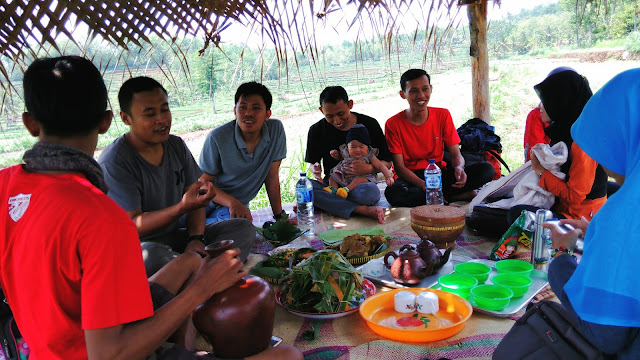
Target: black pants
<point x="402" y="193"/>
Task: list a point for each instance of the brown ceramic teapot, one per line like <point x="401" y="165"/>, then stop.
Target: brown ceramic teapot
<point x="408" y="267"/>
<point x="237" y="322"/>
<point x="432" y="256"/>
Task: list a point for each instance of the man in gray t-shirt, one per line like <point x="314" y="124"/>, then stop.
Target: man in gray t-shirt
<point x="241" y="155"/>
<point x="154" y="177"/>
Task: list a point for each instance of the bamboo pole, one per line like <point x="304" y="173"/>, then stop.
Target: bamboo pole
<point x="479" y="60"/>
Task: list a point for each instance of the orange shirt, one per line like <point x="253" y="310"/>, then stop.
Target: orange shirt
<point x="571" y="195"/>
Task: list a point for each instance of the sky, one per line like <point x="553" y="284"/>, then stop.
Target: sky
<point x="336" y="31"/>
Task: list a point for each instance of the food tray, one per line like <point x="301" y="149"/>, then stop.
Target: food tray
<point x="538" y="277"/>
<point x="429" y="281"/>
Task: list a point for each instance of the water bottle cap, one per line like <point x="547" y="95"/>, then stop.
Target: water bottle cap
<point x="432" y="161"/>
<point x="303" y="174"/>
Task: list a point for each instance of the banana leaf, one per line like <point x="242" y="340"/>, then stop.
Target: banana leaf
<point x="335" y="236"/>
<point x="323" y="283"/>
<point x="280" y="232"/>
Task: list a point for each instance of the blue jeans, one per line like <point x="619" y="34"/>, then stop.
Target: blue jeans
<point x="365" y="194"/>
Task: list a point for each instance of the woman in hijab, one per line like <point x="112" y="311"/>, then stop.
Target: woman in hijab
<point x="563" y="95"/>
<point x="602" y="291"/>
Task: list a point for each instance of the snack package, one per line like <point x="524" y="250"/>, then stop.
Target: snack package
<point x="516" y="242"/>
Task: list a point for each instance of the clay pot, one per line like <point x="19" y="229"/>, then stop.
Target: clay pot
<point x="237" y="322"/>
<point x="440" y="224"/>
<point x="432" y="255"/>
<point x="408" y="267"/>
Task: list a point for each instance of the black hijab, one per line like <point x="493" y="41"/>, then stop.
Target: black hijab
<point x="564" y="94"/>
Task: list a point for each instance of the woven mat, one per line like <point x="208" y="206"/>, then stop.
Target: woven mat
<point x="350" y="338"/>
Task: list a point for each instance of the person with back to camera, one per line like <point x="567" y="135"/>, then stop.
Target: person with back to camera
<point x="601" y="292"/>
<point x="420" y="133"/>
<point x="327" y="135"/>
<point x="563" y="95"/>
<point x="72" y="272"/>
<point x="357" y="147"/>
<point x="154" y="177"/>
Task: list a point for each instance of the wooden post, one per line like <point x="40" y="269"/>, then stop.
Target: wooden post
<point x="479" y="60"/>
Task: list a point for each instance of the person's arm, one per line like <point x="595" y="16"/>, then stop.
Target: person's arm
<point x="197" y="196"/>
<point x="196" y="221"/>
<point x="406" y="174"/>
<point x="139" y="339"/>
<point x="236" y="208"/>
<point x="457" y="161"/>
<point x="581" y="176"/>
<point x="272" y="185"/>
<point x="607" y="338"/>
<point x="379" y="166"/>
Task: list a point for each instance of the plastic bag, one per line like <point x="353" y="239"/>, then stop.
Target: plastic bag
<point x="515" y="243"/>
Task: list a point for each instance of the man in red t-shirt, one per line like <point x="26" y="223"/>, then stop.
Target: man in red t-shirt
<point x="420" y="133"/>
<point x="71" y="266"/>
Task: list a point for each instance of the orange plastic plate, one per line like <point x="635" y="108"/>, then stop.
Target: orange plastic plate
<point x="379" y="313"/>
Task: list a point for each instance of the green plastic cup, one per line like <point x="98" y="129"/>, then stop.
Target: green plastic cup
<point x="477" y="270"/>
<point x="519" y="284"/>
<point x="459" y="284"/>
<point x="491" y="297"/>
<point x="514" y="266"/>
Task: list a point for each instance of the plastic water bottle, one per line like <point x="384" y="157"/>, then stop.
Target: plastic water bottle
<point x="304" y="199"/>
<point x="433" y="182"/>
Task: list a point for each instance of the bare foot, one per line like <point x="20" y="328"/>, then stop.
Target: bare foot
<point x="380" y="212"/>
<point x="374" y="212"/>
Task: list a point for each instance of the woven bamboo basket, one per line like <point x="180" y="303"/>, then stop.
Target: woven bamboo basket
<point x="440" y="224"/>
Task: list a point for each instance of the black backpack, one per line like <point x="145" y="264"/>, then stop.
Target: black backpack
<point x="477" y="138"/>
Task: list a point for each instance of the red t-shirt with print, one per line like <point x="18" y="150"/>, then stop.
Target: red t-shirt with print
<point x="70" y="260"/>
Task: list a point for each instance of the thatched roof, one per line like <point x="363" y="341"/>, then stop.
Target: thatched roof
<point x="29" y="28"/>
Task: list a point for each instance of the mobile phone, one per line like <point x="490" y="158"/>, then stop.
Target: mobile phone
<point x="275" y="341"/>
<point x="563" y="228"/>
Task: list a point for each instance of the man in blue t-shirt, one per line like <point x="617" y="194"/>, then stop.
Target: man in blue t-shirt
<point x="241" y="155"/>
<point x="153" y="176"/>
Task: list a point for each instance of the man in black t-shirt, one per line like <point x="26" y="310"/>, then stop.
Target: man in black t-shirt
<point x="328" y="134"/>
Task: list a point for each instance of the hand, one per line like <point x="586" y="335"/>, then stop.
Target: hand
<point x="357" y="168"/>
<point x="461" y="177"/>
<point x="535" y="164"/>
<point x="218" y="274"/>
<point x="238" y="210"/>
<point x="335" y="154"/>
<point x="197" y="246"/>
<point x="198" y="195"/>
<point x="568" y="239"/>
<point x="390" y="181"/>
<point x="316" y="169"/>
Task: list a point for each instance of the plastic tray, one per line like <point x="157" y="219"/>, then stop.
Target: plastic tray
<point x="538" y="277"/>
<point x="429" y="281"/>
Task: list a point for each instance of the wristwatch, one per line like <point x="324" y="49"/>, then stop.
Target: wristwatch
<point x="279" y="216"/>
<point x="197" y="237"/>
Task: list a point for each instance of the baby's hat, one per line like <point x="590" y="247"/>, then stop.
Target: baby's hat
<point x="360" y="133"/>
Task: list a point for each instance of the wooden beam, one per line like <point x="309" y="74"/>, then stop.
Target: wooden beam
<point x="479" y="60"/>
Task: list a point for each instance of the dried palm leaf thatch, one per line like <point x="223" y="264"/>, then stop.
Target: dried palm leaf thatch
<point x="33" y="28"/>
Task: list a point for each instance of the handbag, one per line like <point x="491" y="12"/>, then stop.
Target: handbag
<point x="486" y="220"/>
<point x="546" y="331"/>
<point x="9" y="333"/>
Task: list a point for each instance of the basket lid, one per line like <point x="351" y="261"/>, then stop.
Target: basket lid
<point x="438" y="213"/>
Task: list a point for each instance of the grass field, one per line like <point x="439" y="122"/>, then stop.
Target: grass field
<point x="375" y="93"/>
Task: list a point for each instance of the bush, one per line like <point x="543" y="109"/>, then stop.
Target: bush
<point x="632" y="42"/>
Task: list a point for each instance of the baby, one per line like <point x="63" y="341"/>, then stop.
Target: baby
<point x="358" y="147"/>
